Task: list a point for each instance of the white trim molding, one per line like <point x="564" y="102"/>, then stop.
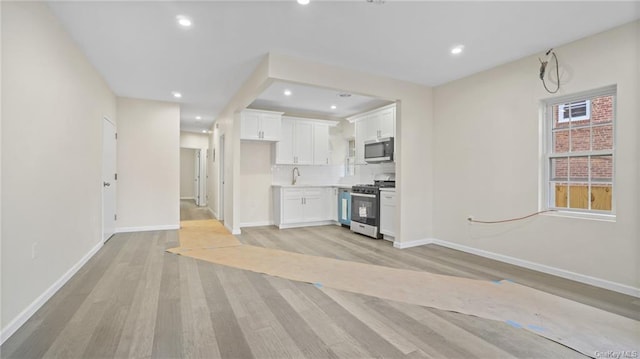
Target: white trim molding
<point x="419" y="242"/>
<point x="214" y="214"/>
<point x="582" y="278"/>
<point x="305" y="224"/>
<point x="22" y="318"/>
<point x="187" y="198"/>
<point x="234" y="231"/>
<point x="256" y="224"/>
<point x="166" y="227"/>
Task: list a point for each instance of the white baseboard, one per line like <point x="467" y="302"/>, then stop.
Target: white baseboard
<point x="19" y="320"/>
<point x="307" y="224"/>
<point x="256" y="224"/>
<point x="214" y="214"/>
<point x="166" y="227"/>
<point x="582" y="278"/>
<point x="419" y="242"/>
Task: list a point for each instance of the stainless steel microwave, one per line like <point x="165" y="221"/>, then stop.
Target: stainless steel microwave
<point x="380" y="150"/>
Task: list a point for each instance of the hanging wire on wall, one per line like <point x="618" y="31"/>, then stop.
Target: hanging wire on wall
<point x="543" y="68"/>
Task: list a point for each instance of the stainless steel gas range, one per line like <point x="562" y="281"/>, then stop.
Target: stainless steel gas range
<point x="365" y="207"/>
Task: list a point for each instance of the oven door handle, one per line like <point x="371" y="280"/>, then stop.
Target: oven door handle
<point x="363" y="195"/>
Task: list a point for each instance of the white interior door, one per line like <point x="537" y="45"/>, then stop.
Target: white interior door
<point x="109" y="178"/>
<point x="196" y="177"/>
<point x="202" y="179"/>
<point x="221" y="179"/>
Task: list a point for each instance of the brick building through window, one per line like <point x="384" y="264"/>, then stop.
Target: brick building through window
<point x="580" y="157"/>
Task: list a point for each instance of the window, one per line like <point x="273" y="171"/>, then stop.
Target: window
<point x="574" y="111"/>
<point x="579" y="156"/>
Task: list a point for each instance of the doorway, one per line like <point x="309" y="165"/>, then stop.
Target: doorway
<point x="221" y="178"/>
<point x="193" y="169"/>
<point x="109" y="179"/>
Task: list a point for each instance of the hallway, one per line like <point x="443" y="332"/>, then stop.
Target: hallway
<point x="190" y="212"/>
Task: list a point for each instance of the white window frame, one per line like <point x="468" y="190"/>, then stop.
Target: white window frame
<point x="547" y="154"/>
<point x="586" y="116"/>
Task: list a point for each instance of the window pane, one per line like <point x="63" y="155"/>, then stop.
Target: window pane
<point x="558" y="195"/>
<point x="579" y="169"/>
<point x="602" y="169"/>
<point x="557" y="117"/>
<point x="603" y="137"/>
<point x="602" y="109"/>
<point x="601" y="197"/>
<point x="576" y="109"/>
<point x="579" y="196"/>
<point x="561" y="141"/>
<point x="559" y="169"/>
<point x="580" y="139"/>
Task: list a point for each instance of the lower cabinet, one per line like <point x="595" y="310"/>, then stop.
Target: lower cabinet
<point x="297" y="207"/>
<point x="388" y="213"/>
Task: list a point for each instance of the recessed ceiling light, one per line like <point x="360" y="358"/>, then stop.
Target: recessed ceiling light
<point x="456" y="50"/>
<point x="176" y="94"/>
<point x="184" y="21"/>
<point x="204" y="131"/>
<point x="198" y="118"/>
<point x="287" y="92"/>
<point x="303" y="2"/>
<point x="333" y="107"/>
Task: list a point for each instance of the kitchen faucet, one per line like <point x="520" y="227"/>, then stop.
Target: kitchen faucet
<point x="294" y="178"/>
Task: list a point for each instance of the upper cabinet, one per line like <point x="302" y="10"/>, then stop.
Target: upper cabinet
<point x="303" y="142"/>
<point x="260" y="125"/>
<point x="373" y="125"/>
<point x="380" y="123"/>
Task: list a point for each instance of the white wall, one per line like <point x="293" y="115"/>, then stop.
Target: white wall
<point x="227" y="126"/>
<point x="187" y="172"/>
<point x="194" y="140"/>
<point x="53" y="102"/>
<point x="148" y="165"/>
<point x="256" y="203"/>
<point x="414" y="133"/>
<point x="487" y="163"/>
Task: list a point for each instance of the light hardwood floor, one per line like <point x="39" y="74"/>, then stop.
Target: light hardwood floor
<point x="134" y="300"/>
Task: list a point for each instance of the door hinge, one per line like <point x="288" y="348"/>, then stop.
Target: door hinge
<point x="115" y="176"/>
<point x="116" y="135"/>
<point x="115" y="217"/>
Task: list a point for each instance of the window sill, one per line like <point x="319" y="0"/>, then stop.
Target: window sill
<point x="582" y="215"/>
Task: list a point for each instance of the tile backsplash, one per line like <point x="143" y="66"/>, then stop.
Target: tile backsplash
<point x="332" y="174"/>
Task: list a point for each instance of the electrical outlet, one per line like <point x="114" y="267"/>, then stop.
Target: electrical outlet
<point x="33" y="250"/>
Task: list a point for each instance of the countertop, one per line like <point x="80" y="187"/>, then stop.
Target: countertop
<point x="307" y="185"/>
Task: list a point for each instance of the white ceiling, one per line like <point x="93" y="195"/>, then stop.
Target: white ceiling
<point x="142" y="53"/>
<point x="314" y="101"/>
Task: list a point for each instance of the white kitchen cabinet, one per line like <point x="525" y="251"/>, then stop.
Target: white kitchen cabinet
<point x="284" y="148"/>
<point x="315" y="204"/>
<point x="387" y="123"/>
<point x="334" y="193"/>
<point x="260" y="125"/>
<point x="302" y="206"/>
<point x="380" y="123"/>
<point x="388" y="213"/>
<point x="360" y="138"/>
<point x="292" y="206"/>
<point x="321" y="151"/>
<point x="303" y="142"/>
